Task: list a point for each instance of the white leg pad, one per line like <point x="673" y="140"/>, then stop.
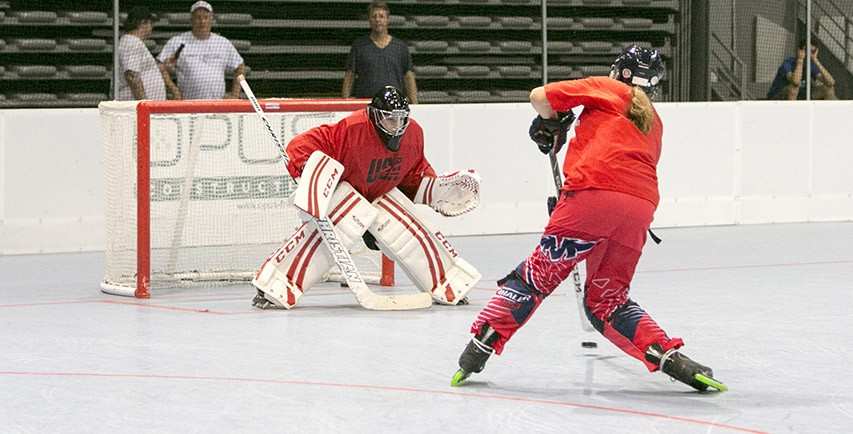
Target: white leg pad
<point x="303" y="259"/>
<point x="425" y="254"/>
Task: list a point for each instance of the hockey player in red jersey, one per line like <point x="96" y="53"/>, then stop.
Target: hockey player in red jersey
<point x="379" y="152"/>
<point x="606" y="205"/>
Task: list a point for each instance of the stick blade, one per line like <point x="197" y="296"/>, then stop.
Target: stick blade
<point x="375" y="301"/>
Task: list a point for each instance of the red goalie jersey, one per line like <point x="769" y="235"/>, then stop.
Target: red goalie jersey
<point x="369" y="166"/>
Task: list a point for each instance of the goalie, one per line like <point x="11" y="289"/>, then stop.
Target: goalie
<point x="365" y="173"/>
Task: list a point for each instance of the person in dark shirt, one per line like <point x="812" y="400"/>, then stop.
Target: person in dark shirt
<point x="378" y="60"/>
<point x="790" y="82"/>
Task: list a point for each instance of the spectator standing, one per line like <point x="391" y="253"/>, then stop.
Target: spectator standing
<point x="141" y="77"/>
<point x="378" y="60"/>
<point x="201" y="58"/>
<point x="790" y="82"/>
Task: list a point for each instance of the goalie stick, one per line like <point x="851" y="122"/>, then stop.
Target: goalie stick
<point x="576" y="277"/>
<point x="363" y="294"/>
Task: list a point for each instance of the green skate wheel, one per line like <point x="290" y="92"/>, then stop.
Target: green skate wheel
<point x="459" y="377"/>
<point x="710" y="382"/>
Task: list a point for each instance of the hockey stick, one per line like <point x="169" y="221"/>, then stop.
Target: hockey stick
<point x="576" y="277"/>
<point x="363" y="294"/>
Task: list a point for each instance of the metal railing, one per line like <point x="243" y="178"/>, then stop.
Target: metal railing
<point x="834" y="31"/>
<point x="729" y="70"/>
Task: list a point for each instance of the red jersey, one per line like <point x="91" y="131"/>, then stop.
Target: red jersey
<point x="369" y="166"/>
<point x="608" y="151"/>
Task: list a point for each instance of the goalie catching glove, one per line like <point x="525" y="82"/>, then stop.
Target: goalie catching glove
<point x="451" y="194"/>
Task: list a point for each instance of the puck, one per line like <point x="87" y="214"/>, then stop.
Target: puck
<point x="588" y="344"/>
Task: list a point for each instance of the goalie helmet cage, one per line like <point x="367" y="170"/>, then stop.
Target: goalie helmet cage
<point x="196" y="193"/>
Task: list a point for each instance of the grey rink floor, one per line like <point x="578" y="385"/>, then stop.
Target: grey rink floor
<point x="767" y="306"/>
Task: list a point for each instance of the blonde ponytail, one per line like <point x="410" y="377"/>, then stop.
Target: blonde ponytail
<point x="641" y="112"/>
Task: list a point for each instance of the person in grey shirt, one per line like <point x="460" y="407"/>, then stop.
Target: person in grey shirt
<point x="377" y="60"/>
<point x="140" y="77"/>
<point x="200" y="58"/>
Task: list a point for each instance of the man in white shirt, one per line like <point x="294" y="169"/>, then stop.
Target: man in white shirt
<point x="201" y="58"/>
<point x="141" y="77"/>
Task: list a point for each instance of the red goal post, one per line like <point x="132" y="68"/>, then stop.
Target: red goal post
<point x="196" y="194"/>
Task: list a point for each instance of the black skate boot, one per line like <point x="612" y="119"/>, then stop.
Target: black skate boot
<point x="473" y="358"/>
<point x="261" y="302"/>
<point x="682" y="368"/>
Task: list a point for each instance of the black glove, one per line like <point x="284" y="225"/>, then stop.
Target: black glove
<point x="542" y="131"/>
<point x="370" y="241"/>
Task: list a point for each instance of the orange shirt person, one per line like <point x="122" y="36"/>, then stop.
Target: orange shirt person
<point x="606" y="205"/>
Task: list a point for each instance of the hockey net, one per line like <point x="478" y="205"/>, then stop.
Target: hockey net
<point x="196" y="193"/>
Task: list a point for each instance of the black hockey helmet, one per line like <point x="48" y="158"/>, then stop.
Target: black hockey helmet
<point x="638" y="66"/>
<point x="389" y="114"/>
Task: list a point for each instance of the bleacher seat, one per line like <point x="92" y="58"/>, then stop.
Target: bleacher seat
<point x="432" y="21"/>
<point x="514" y="2"/>
<point x="512" y="95"/>
<point x="88" y="17"/>
<point x="178" y="18"/>
<point x="560" y="47"/>
<point x="595" y="2"/>
<point x="515" y="22"/>
<point x="35" y="71"/>
<point x="511" y="71"/>
<point x="242" y="45"/>
<point x="473" y="46"/>
<point x="396" y="20"/>
<point x="595" y="47"/>
<point x="464" y="96"/>
<point x="473" y="1"/>
<point x="430" y="70"/>
<point x="2" y="44"/>
<point x="636" y="23"/>
<point x="234" y="19"/>
<point x="35" y="97"/>
<point x="471" y="70"/>
<point x="86" y="44"/>
<point x="86" y="97"/>
<point x="515" y="46"/>
<point x="559" y="72"/>
<point x="474" y="21"/>
<point x="560" y="23"/>
<point x="594" y="70"/>
<point x="2" y="69"/>
<point x="596" y="23"/>
<point x="36" y="17"/>
<point x="431" y="46"/>
<point x="35" y="44"/>
<point x="636" y="2"/>
<point x="433" y="96"/>
<point x="86" y="71"/>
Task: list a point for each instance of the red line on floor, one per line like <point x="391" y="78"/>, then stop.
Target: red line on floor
<point x="390" y="389"/>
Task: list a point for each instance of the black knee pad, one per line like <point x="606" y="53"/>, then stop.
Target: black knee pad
<point x="523" y="298"/>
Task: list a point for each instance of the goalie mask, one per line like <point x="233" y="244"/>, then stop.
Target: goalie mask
<point x="389" y="114"/>
<point x="638" y="66"/>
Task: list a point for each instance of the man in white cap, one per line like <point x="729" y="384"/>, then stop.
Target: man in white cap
<point x="200" y="58"/>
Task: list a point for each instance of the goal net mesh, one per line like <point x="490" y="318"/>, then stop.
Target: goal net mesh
<point x="218" y="197"/>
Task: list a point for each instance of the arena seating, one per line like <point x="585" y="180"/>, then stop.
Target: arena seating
<point x="463" y="50"/>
